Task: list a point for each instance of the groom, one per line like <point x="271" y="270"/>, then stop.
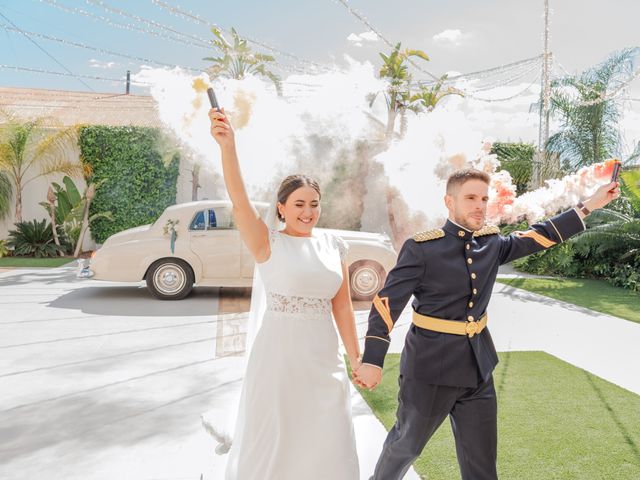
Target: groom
<point x="448" y="357"/>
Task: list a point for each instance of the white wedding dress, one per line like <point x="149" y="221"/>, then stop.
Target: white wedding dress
<point x="294" y="420"/>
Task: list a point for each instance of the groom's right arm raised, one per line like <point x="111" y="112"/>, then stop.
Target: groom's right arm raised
<point x="388" y="304"/>
<point x="253" y="230"/>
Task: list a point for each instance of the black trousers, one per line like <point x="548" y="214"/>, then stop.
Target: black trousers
<point x="422" y="409"/>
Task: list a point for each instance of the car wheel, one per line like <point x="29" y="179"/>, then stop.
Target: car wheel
<point x="170" y="279"/>
<point x="366" y="279"/>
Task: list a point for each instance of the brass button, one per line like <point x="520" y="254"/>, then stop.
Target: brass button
<point x="475" y="291"/>
<point x="470" y="304"/>
<point x="471" y="328"/>
<point x="468" y="246"/>
<point x="461" y="233"/>
<point x="473" y="275"/>
<point x="469" y="261"/>
<point x="470" y="318"/>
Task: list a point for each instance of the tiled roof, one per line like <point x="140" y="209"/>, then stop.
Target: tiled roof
<point x="72" y="108"/>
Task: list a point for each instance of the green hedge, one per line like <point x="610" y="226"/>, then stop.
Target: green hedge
<point x="631" y="187"/>
<point x="135" y="185"/>
<point x="517" y="159"/>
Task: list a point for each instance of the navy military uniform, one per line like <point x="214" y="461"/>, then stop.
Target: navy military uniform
<point x="451" y="273"/>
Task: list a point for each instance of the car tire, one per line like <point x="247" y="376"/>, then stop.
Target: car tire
<point x="170" y="279"/>
<point x="366" y="278"/>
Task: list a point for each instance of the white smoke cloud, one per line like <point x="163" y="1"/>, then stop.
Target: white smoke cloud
<point x="267" y="126"/>
<point x="272" y="135"/>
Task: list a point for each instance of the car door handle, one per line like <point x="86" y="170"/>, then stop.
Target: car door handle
<point x="200" y="235"/>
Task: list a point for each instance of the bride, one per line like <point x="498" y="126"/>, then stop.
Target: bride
<point x="294" y="419"/>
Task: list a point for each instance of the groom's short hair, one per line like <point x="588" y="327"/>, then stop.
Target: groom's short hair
<point x="460" y="177"/>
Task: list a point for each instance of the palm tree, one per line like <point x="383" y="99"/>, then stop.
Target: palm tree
<point x="589" y="111"/>
<point x="6" y="195"/>
<point x="25" y="146"/>
<point x="396" y="72"/>
<point x="428" y="96"/>
<point x="611" y="232"/>
<point x="400" y="96"/>
<point x="238" y="60"/>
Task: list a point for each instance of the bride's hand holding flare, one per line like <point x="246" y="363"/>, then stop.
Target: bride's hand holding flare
<point x="221" y="129"/>
<point x="253" y="231"/>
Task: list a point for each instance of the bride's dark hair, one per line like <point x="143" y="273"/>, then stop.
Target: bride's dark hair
<point x="291" y="184"/>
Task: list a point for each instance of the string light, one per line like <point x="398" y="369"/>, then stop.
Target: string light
<point x="108" y="21"/>
<point x="362" y="18"/>
<point x="509" y="80"/>
<point x="366" y="22"/>
<point x="97" y="49"/>
<point x="43" y="50"/>
<point x="507" y="66"/>
<point x="494" y="100"/>
<point x="469" y="91"/>
<point x="66" y="95"/>
<point x="65" y="74"/>
<point x="199" y="20"/>
<point x="487" y="72"/>
<point x="200" y="43"/>
<point x="604" y="96"/>
<point x="140" y="19"/>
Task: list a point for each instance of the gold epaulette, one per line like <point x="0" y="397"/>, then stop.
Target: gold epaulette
<point x="429" y="235"/>
<point x="487" y="230"/>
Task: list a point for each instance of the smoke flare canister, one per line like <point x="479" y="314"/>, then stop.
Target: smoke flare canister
<point x="212" y="98"/>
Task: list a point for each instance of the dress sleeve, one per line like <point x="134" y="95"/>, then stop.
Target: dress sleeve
<point x="273" y="234"/>
<point x="342" y="246"/>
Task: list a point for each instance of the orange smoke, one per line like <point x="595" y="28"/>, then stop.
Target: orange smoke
<point x="503" y="194"/>
<point x="605" y="169"/>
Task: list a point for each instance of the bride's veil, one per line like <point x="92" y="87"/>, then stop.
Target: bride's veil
<point x="222" y="423"/>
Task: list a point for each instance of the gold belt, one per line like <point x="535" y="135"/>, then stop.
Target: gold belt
<point x="469" y="328"/>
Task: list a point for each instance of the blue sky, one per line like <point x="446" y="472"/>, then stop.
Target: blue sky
<point x="458" y="35"/>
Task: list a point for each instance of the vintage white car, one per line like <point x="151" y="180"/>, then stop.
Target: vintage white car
<point x="208" y="251"/>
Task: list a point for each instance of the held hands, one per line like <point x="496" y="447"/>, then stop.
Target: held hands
<point x="603" y="196"/>
<point x="221" y="129"/>
<point x="367" y="376"/>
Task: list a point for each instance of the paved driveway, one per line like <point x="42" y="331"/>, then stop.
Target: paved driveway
<point x="100" y="381"/>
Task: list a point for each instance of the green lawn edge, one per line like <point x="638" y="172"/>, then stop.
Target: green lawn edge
<point x="597" y="295"/>
<point x="18" y="262"/>
<point x="555" y="421"/>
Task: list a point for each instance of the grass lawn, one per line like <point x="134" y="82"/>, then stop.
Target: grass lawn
<point x="34" y="262"/>
<point x="555" y="421"/>
<point x="597" y="295"/>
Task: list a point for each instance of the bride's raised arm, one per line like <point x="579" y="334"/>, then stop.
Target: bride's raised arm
<point x="253" y="230"/>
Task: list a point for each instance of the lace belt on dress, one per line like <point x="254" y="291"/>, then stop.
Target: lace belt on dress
<point x="298" y="305"/>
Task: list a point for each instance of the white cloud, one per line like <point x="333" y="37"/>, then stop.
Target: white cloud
<point x="358" y="39"/>
<point x="369" y="36"/>
<point x="449" y="37"/>
<point x="99" y="64"/>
